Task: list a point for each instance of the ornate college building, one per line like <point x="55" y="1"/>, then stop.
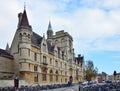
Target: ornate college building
<point x="39" y="60"/>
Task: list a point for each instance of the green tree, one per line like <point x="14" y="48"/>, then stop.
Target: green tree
<point x="91" y="72"/>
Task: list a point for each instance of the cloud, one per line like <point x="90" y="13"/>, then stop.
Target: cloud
<point x="86" y="20"/>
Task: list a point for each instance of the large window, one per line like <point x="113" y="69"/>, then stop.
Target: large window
<point x="51" y="75"/>
<point x="56" y="76"/>
<point x="62" y="55"/>
<point x="44" y="76"/>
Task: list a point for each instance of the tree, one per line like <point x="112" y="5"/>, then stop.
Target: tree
<point x="91" y="72"/>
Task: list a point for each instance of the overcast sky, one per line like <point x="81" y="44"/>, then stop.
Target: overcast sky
<point x="94" y="25"/>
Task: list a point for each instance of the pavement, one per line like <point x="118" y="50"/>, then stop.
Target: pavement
<point x="72" y="88"/>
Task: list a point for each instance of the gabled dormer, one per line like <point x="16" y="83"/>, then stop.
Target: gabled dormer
<point x="43" y="45"/>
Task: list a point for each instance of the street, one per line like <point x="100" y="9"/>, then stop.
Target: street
<point x="72" y="88"/>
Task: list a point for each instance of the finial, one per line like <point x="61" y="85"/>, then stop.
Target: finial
<point x="24" y="5"/>
<point x="43" y="35"/>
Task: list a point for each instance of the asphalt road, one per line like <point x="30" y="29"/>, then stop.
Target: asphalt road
<point x="72" y="88"/>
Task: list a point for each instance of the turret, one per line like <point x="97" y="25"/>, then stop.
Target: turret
<point x="25" y="30"/>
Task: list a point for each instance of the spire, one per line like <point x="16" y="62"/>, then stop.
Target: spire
<point x="49" y="26"/>
<point x="7" y="48"/>
<point x="24" y="20"/>
<point x="49" y="31"/>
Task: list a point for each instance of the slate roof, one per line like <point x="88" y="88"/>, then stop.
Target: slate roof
<point x="4" y="53"/>
<point x="24" y="20"/>
<point x="50" y="48"/>
<point x="36" y="39"/>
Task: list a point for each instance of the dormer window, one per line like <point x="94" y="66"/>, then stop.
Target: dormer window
<point x="20" y="36"/>
<point x="28" y="36"/>
<point x="44" y="47"/>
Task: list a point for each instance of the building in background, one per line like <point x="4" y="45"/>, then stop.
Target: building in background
<point x="44" y="61"/>
<point x="6" y="64"/>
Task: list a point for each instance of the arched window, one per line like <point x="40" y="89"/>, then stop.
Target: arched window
<point x="20" y="36"/>
<point x="56" y="41"/>
<point x="28" y="36"/>
<point x="51" y="75"/>
<point x="62" y="42"/>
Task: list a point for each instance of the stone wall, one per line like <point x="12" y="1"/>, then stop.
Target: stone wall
<point x="9" y="83"/>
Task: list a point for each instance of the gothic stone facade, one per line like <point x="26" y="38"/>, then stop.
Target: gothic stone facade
<point x="45" y="61"/>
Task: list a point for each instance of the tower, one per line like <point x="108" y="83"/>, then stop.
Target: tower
<point x="21" y="43"/>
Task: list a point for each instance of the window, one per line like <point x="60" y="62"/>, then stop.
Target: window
<point x="29" y="37"/>
<point x="62" y="55"/>
<point x="50" y="61"/>
<point x="56" y="76"/>
<point x="44" y="59"/>
<point x="44" y="77"/>
<point x="35" y="68"/>
<point x="36" y="78"/>
<point x="77" y="72"/>
<point x="61" y="65"/>
<point x="66" y="73"/>
<point x="20" y="65"/>
<point x="65" y="66"/>
<point x="56" y="63"/>
<point x="56" y="41"/>
<point x="44" y="47"/>
<point x="20" y="50"/>
<point x="28" y="52"/>
<point x="29" y="65"/>
<point x="51" y="75"/>
<point x="20" y="36"/>
<point x="59" y="53"/>
<point x="70" y="44"/>
<point x="35" y="56"/>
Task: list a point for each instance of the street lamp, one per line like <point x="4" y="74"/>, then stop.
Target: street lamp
<point x="16" y="82"/>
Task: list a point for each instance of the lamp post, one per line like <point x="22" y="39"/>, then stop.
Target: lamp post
<point x="16" y="82"/>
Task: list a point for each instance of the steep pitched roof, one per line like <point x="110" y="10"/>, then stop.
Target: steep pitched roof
<point x="36" y="40"/>
<point x="4" y="53"/>
<point x="24" y="20"/>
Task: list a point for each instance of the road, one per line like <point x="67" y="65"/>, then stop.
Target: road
<point x="72" y="88"/>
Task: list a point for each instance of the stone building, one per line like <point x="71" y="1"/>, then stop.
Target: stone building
<point x="6" y="64"/>
<point x="45" y="61"/>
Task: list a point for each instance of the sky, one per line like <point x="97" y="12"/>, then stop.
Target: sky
<point x="93" y="24"/>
